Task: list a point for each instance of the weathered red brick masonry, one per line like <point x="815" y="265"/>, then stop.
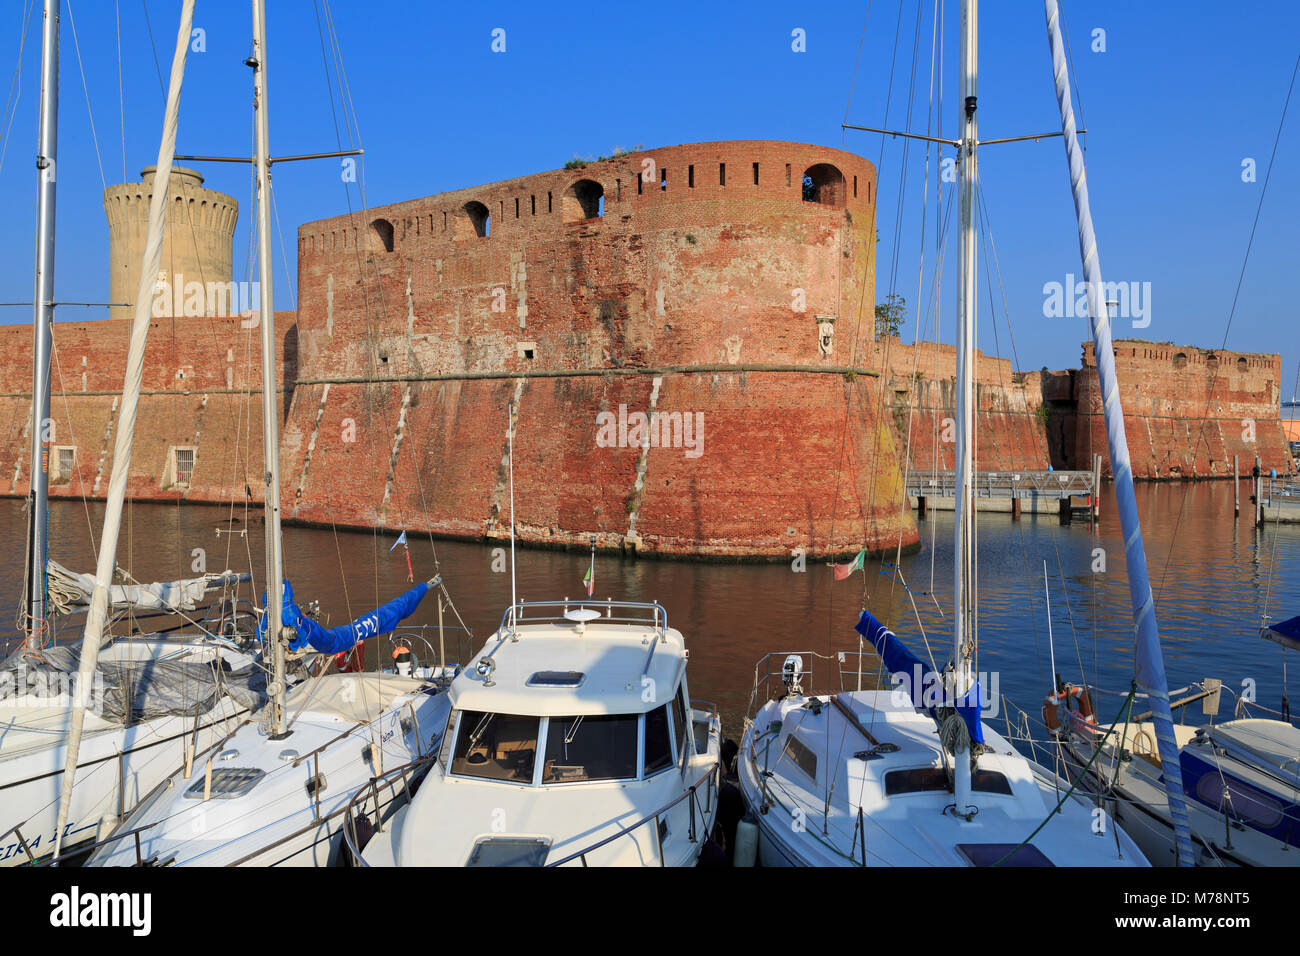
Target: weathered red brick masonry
<point x="706" y="283"/>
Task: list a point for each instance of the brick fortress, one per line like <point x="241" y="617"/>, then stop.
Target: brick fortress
<point x="725" y="284"/>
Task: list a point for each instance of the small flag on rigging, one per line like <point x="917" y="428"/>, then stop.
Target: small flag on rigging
<point x="842" y="571"/>
<point x="401" y="539"/>
<point x="589" y="579"/>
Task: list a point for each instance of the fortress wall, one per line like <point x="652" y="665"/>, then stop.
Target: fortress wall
<point x="1187" y="411"/>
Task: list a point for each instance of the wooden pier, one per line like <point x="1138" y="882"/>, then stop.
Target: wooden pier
<point x="1011" y="492"/>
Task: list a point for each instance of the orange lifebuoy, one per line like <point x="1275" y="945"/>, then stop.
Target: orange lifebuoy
<point x="1075" y="699"/>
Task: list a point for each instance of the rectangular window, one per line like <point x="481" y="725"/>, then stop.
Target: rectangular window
<point x="64" y="462"/>
<point x="618" y="189"/>
<point x="663" y="179"/>
<point x="690" y="177"/>
<point x="516" y="208"/>
<point x="184" y="465"/>
<point x="756" y="174"/>
<point x="496" y="746"/>
<point x="548" y="202"/>
<point x="658" y="748"/>
<point x="681" y="726"/>
<point x="855" y="187"/>
<point x="787" y="174"/>
<point x="722" y="174"/>
<point x="802" y="756"/>
<point x="638" y="184"/>
<point x="444" y="222"/>
<point x="591" y="747"/>
<point x="533" y="201"/>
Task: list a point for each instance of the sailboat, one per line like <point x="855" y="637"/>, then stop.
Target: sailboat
<point x="1242" y="775"/>
<point x="157" y="698"/>
<point x="270" y="791"/>
<point x="912" y="776"/>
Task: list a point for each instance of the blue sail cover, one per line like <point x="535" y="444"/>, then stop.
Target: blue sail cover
<point x="335" y="640"/>
<point x="923" y="683"/>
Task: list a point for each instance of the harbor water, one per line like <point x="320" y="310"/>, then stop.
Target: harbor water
<point x="1214" y="577"/>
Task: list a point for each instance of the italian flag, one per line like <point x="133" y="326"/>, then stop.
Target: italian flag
<point x="842" y="571"/>
<point x="589" y="579"/>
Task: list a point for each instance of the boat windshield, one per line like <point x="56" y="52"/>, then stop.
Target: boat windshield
<point x="497" y="746"/>
<point x="592" y="747"/>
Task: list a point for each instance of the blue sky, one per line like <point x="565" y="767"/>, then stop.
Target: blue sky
<point x="1181" y="95"/>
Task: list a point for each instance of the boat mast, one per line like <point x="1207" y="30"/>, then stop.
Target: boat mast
<point x="270" y="412"/>
<point x="964" y="525"/>
<point x="1150" y="661"/>
<point x="47" y="144"/>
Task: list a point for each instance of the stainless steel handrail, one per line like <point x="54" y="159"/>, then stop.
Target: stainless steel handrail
<point x="516" y="614"/>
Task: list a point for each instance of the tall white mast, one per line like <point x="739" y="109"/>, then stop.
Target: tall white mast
<point x="270" y="411"/>
<point x="963" y="530"/>
<point x="43" y="319"/>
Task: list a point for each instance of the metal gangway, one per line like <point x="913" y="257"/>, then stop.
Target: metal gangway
<point x="1042" y="492"/>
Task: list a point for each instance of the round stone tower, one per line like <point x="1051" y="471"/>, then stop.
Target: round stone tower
<point x="197" y="243"/>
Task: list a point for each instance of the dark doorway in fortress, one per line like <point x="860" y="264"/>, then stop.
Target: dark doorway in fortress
<point x="823" y="184"/>
<point x="473" y="221"/>
<point x="585" y="199"/>
<point x="381" y="236"/>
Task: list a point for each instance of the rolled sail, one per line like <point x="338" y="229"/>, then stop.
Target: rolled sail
<point x="917" y="674"/>
<point x="336" y="640"/>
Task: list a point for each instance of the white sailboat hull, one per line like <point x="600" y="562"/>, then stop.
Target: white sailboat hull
<point x="867" y="820"/>
<point x="118" y="766"/>
<point x="195" y="821"/>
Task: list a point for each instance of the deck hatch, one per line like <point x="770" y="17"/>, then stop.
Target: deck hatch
<point x="557" y="679"/>
<point x="227" y="782"/>
<point x="509" y="851"/>
<point x="1004" y="854"/>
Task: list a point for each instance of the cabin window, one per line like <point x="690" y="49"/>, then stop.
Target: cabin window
<point x="658" y="748"/>
<point x="802" y="756"/>
<point x="591" y="747"/>
<point x="496" y="746"/>
<point x="680" y="725"/>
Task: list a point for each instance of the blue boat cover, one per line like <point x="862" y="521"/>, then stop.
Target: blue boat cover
<point x="916" y="676"/>
<point x="1289" y="629"/>
<point x="335" y="640"/>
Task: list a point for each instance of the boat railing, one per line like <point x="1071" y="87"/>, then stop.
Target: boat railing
<point x="708" y="781"/>
<point x="650" y="613"/>
<point x="411" y="774"/>
<point x="855" y="670"/>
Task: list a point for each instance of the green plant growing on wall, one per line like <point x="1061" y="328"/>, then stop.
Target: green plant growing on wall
<point x="889" y="315"/>
<point x="1042" y="413"/>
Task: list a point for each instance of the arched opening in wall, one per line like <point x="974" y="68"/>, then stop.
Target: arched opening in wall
<point x="1212" y="361"/>
<point x="473" y="221"/>
<point x="1180" y="360"/>
<point x="585" y="199"/>
<point x="381" y="236"/>
<point x="1242" y="364"/>
<point x="823" y="184"/>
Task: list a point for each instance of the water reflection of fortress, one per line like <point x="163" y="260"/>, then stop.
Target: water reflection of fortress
<point x="732" y="281"/>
